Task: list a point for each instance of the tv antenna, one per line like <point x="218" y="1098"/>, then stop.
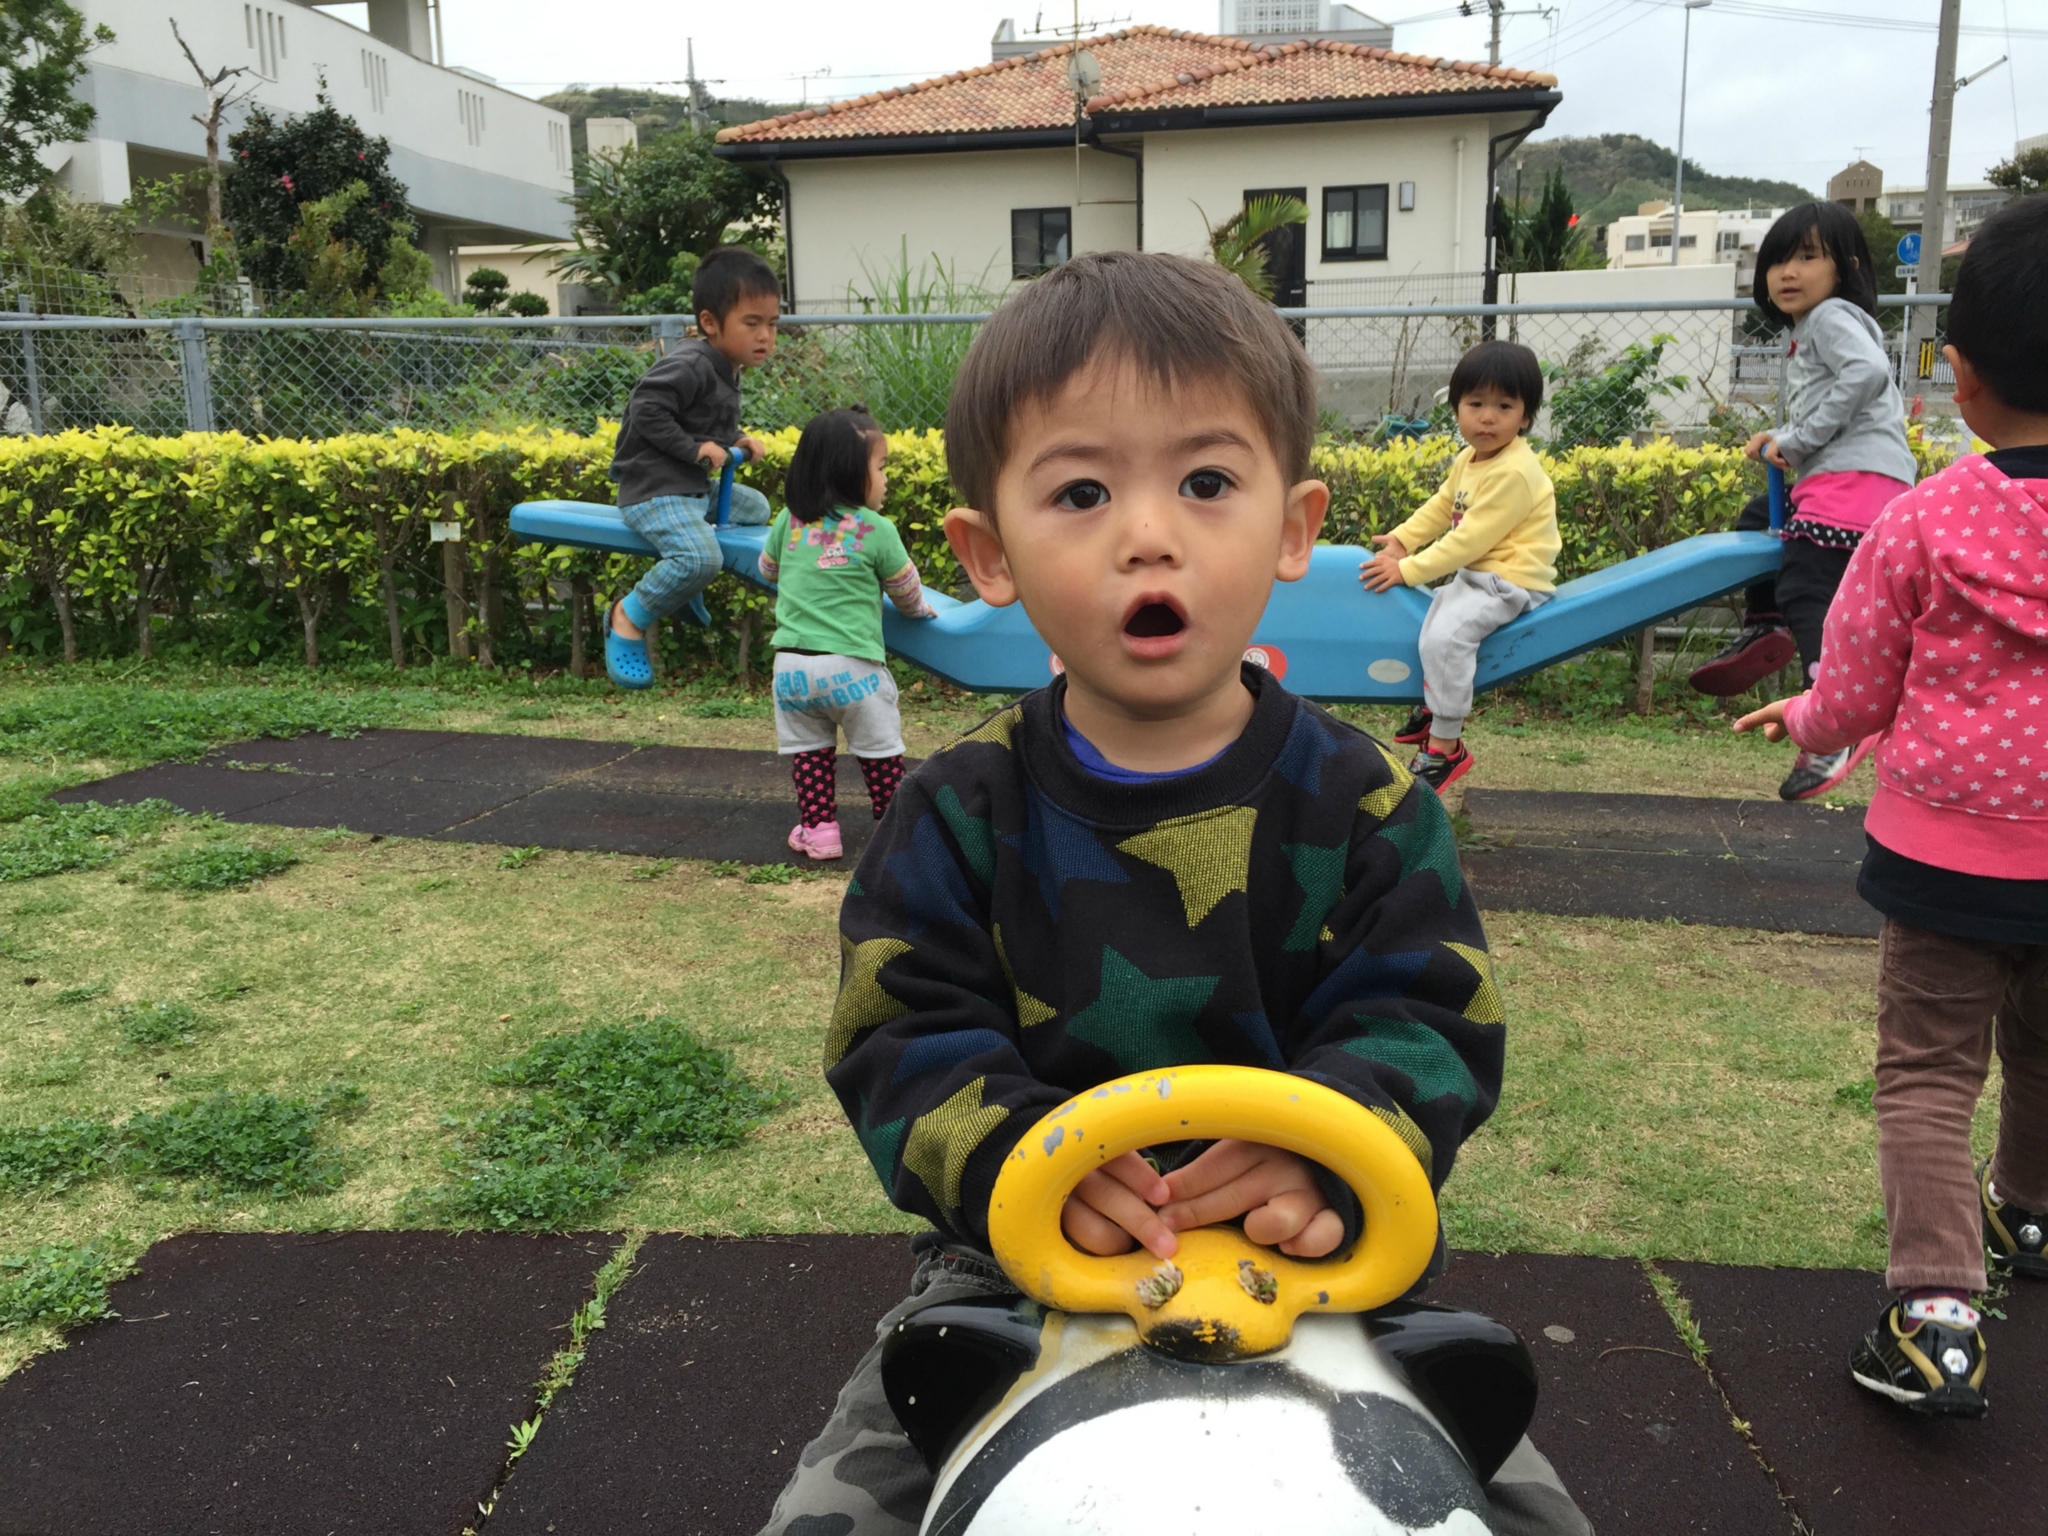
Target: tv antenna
<point x="1074" y="30"/>
<point x="815" y="74"/>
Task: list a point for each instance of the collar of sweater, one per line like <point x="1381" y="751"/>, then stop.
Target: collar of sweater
<point x="1231" y="779"/>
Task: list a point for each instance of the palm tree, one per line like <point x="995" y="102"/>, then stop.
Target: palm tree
<point x="1238" y="244"/>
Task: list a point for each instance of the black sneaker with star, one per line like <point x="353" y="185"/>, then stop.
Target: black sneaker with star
<point x="1926" y="1356"/>
<point x="1416" y="731"/>
<point x="2016" y="1240"/>
<point x="1440" y="770"/>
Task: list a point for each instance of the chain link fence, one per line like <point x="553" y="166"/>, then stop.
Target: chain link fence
<point x="1703" y="370"/>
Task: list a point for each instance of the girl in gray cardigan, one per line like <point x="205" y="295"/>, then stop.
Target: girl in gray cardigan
<point x="1845" y="439"/>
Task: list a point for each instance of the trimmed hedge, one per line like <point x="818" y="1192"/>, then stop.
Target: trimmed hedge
<point x="222" y="547"/>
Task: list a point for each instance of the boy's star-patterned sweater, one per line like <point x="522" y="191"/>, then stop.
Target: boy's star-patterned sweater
<point x="1021" y="930"/>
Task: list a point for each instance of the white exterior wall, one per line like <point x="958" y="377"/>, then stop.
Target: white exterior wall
<point x="529" y="269"/>
<point x="1208" y="171"/>
<point x="475" y="159"/>
<point x="1702" y="340"/>
<point x="853" y="220"/>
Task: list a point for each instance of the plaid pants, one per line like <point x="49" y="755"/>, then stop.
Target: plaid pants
<point x="688" y="546"/>
<point x="862" y="1477"/>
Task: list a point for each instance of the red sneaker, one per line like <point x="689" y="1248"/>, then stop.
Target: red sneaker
<point x="1440" y="770"/>
<point x="1753" y="655"/>
<point x="1416" y="731"/>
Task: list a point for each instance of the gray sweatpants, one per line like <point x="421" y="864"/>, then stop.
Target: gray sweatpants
<point x="862" y="1477"/>
<point x="1462" y="612"/>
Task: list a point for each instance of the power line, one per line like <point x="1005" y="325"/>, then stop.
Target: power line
<point x="1763" y="10"/>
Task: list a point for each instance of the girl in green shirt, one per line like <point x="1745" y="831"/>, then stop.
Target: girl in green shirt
<point x="831" y="555"/>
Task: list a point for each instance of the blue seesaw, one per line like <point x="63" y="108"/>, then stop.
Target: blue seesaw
<point x="1325" y="635"/>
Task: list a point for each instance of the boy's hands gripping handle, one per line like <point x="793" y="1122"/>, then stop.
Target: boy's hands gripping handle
<point x="1223" y="1297"/>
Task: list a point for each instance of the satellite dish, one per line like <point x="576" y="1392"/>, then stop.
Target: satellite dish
<point x="1083" y="73"/>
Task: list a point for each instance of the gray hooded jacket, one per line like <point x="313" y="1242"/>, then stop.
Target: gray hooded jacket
<point x="1845" y="412"/>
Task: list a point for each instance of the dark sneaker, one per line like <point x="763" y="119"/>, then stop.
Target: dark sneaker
<point x="1756" y="652"/>
<point x="1416" y="731"/>
<point x="1931" y="1364"/>
<point x="1440" y="770"/>
<point x="1815" y="774"/>
<point x="2017" y="1239"/>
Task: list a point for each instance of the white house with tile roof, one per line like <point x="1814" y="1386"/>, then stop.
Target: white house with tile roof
<point x="998" y="171"/>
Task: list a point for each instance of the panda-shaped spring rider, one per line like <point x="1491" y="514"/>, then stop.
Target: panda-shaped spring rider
<point x="1233" y="1392"/>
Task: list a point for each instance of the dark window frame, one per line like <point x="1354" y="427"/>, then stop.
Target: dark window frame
<point x="1361" y="196"/>
<point x="1031" y="237"/>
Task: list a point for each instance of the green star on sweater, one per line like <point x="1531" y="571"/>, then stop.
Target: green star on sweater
<point x="1145" y="1022"/>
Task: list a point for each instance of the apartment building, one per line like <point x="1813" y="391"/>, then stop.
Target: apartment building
<point x="1706" y="237"/>
<point x="482" y="164"/>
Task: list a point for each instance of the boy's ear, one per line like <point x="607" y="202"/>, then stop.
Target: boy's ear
<point x="1307" y="504"/>
<point x="707" y="325"/>
<point x="1968" y="385"/>
<point x="979" y="549"/>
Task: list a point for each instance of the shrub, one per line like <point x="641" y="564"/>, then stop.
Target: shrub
<point x="55" y="1285"/>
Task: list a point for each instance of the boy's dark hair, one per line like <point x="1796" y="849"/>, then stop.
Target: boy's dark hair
<point x="1835" y="230"/>
<point x="1507" y="366"/>
<point x="1998" y="317"/>
<point x="829" y="469"/>
<point x="1173" y="318"/>
<point x="727" y="275"/>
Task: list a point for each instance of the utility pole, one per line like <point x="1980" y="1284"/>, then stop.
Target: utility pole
<point x="1678" y="181"/>
<point x="1934" y="205"/>
<point x="1493" y="42"/>
<point x="696" y="88"/>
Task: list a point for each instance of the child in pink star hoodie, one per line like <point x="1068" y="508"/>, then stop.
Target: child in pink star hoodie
<point x="1938" y="639"/>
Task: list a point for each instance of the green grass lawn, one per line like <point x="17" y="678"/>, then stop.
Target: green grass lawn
<point x="1671" y="1091"/>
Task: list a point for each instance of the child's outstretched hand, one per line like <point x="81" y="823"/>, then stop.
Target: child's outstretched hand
<point x="1116" y="1205"/>
<point x="1383" y="570"/>
<point x="1770" y="720"/>
<point x="1765" y="446"/>
<point x="1274" y="1191"/>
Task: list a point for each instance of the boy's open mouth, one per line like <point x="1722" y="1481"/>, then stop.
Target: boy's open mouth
<point x="1154" y="620"/>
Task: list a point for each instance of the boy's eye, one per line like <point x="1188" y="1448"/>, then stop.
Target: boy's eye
<point x="1082" y="496"/>
<point x="1205" y="484"/>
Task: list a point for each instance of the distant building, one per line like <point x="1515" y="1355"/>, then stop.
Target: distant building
<point x="1706" y="237"/>
<point x="1253" y="21"/>
<point x="1969" y="205"/>
<point x="611" y="135"/>
<point x="480" y="164"/>
<point x="1858" y="187"/>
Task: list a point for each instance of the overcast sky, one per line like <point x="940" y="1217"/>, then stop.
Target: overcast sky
<point x="1769" y="97"/>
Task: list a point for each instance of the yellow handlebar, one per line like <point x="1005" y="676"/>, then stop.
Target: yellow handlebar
<point x="1223" y="1296"/>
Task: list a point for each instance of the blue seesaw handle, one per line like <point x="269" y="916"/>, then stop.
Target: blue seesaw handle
<point x="1777" y="496"/>
<point x="736" y="456"/>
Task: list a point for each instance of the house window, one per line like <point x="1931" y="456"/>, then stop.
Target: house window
<point x="1728" y="240"/>
<point x="376" y="78"/>
<point x="1040" y="239"/>
<point x="1660" y="242"/>
<point x="1633" y="242"/>
<point x="1686" y="242"/>
<point x="1355" y="223"/>
<point x="265" y="34"/>
<point x="469" y="107"/>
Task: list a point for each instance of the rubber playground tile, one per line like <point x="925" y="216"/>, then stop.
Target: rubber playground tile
<point x="359" y="1383"/>
<point x="718" y="773"/>
<point x="390" y="807"/>
<point x="528" y="761"/>
<point x="718" y="1361"/>
<point x="1634" y="1427"/>
<point x="1782" y="896"/>
<point x="194" y="787"/>
<point x="579" y="815"/>
<point x="1852" y="1463"/>
<point x="318" y="753"/>
<point x="1746" y="829"/>
<point x="757" y="832"/>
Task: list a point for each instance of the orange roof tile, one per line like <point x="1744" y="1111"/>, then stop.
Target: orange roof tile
<point x="1143" y="69"/>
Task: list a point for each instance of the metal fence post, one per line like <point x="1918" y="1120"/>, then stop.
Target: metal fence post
<point x="198" y="380"/>
<point x="667" y="331"/>
<point x="32" y="379"/>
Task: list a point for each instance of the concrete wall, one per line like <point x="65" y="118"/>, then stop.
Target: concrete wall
<point x="852" y="221"/>
<point x="494" y="163"/>
<point x="529" y="270"/>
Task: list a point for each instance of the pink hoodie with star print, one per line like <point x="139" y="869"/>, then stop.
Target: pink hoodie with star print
<point x="1938" y="637"/>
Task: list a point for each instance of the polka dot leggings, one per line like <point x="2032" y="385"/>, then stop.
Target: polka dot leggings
<point x="815" y="777"/>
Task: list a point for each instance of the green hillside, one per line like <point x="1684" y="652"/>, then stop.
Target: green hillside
<point x="1610" y="175"/>
<point x="654" y="111"/>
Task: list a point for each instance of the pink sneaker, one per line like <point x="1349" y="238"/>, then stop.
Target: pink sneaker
<point x="820" y="842"/>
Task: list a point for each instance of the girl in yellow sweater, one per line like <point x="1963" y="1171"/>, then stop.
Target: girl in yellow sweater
<point x="1492" y="529"/>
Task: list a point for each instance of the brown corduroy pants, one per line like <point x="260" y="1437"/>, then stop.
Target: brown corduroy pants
<point x="1943" y="1005"/>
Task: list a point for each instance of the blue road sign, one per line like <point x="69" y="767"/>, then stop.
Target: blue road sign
<point x="1909" y="249"/>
